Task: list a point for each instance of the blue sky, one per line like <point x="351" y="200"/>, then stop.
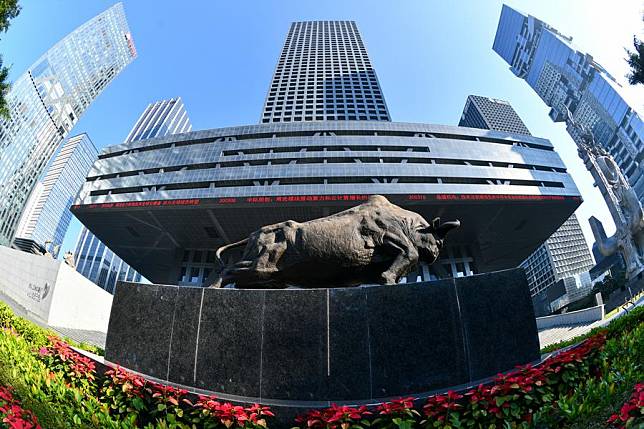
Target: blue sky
<point x="429" y="55"/>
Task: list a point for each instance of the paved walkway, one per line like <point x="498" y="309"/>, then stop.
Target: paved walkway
<point x="566" y="332"/>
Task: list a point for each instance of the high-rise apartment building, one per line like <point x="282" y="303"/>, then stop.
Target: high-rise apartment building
<point x="45" y="221"/>
<point x="491" y="114"/>
<point x="565" y="253"/>
<point x="568" y="79"/>
<point x="94" y="259"/>
<point x="49" y="98"/>
<point x="98" y="263"/>
<point x="324" y="73"/>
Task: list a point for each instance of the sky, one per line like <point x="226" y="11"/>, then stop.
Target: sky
<point x="429" y="55"/>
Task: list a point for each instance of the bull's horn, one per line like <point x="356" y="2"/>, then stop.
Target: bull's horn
<point x="436" y="222"/>
<point x="446" y="227"/>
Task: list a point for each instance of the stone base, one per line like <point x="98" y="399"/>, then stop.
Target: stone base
<point x="339" y="344"/>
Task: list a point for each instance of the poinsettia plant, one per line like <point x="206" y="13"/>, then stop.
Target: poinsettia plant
<point x="12" y="413"/>
<point x="632" y="412"/>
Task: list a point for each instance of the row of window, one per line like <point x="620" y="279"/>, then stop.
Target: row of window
<point x="316" y="133"/>
<point x="324" y="181"/>
<point x="324" y="118"/>
<point x="324" y="160"/>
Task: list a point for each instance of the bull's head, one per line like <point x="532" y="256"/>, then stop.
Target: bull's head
<point x="429" y="240"/>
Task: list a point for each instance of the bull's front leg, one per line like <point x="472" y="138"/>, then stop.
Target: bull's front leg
<point x="406" y="257"/>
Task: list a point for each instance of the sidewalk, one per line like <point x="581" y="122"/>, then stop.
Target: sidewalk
<point x="566" y="332"/>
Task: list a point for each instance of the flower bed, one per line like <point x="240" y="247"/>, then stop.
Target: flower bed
<point x="12" y="413"/>
<point x="632" y="411"/>
<point x="511" y="399"/>
<point x="586" y="383"/>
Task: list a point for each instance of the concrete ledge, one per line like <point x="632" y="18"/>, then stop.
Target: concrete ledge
<point x="587" y="315"/>
<point x="52" y="293"/>
<point x="325" y="344"/>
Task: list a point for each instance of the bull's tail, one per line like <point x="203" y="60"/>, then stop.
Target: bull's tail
<point x="222" y="249"/>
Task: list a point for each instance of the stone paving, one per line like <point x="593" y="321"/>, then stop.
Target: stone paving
<point x="566" y="332"/>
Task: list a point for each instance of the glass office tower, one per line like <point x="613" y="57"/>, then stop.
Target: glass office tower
<point x="46" y="220"/>
<point x="568" y="79"/>
<point x="98" y="263"/>
<point x="48" y="99"/>
<point x="324" y="73"/>
<point x="159" y="119"/>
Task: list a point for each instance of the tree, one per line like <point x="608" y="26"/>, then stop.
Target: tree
<point x="9" y="9"/>
<point x="636" y="61"/>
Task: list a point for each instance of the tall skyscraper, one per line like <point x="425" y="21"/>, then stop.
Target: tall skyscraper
<point x="94" y="259"/>
<point x="565" y="253"/>
<point x="98" y="263"/>
<point x="568" y="79"/>
<point x="491" y="114"/>
<point x="160" y="119"/>
<point x="47" y="219"/>
<point x="324" y="73"/>
<point x="48" y="99"/>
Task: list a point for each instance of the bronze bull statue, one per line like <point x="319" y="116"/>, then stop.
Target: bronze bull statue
<point x="375" y="242"/>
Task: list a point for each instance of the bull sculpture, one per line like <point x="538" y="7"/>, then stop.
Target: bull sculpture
<point x="375" y="242"/>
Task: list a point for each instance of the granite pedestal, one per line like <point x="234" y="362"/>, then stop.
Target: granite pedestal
<point x="344" y="344"/>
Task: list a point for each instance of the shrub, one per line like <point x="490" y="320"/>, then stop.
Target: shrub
<point x="632" y="412"/>
<point x="56" y="403"/>
<point x="77" y="370"/>
<point x="573" y="388"/>
<point x="12" y="413"/>
<point x="336" y="417"/>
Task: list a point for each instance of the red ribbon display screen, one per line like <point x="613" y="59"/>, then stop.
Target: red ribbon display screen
<point x="326" y="198"/>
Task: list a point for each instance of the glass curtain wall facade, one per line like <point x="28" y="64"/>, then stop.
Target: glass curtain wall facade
<point x="160" y="119"/>
<point x="47" y="101"/>
<point x="324" y="73"/>
<point x="48" y="218"/>
<point x="98" y="263"/>
<point x="568" y="79"/>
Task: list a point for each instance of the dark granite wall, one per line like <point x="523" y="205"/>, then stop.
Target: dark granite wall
<point x="326" y="344"/>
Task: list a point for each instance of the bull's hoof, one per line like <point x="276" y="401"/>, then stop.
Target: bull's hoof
<point x="216" y="284"/>
<point x="387" y="279"/>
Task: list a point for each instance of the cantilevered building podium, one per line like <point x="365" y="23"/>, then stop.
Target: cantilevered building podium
<point x="325" y="143"/>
